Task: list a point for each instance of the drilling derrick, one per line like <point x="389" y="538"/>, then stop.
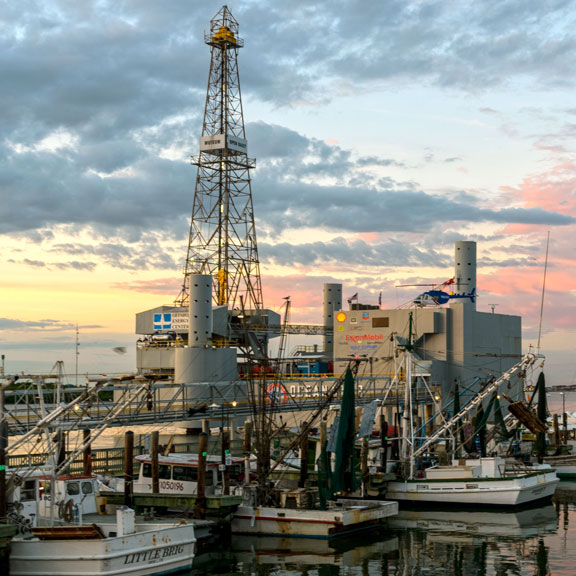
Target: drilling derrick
<point x="222" y="239"/>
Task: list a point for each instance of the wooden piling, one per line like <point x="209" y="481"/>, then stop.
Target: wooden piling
<point x="87" y="452"/>
<point x="129" y="469"/>
<point x="154" y="440"/>
<point x="225" y="457"/>
<point x="200" y="511"/>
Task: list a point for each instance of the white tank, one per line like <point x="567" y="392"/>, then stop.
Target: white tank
<point x="332" y="303"/>
<point x="465" y="271"/>
<point x="205" y="364"/>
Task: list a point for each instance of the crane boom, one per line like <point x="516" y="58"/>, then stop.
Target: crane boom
<point x="491" y="387"/>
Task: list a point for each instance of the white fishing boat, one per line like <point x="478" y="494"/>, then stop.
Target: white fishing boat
<point x="58" y="530"/>
<point x="100" y="549"/>
<point x="478" y="482"/>
<point x="299" y="513"/>
<point x="341" y="517"/>
<point x="178" y="473"/>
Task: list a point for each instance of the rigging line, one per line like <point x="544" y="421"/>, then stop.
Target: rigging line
<point x="543" y="289"/>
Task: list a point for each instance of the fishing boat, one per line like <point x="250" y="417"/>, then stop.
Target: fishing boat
<point x="311" y="512"/>
<point x="61" y="529"/>
<point x="483" y="482"/>
<point x="480" y="481"/>
<point x="339" y="518"/>
<point x="178" y="473"/>
<point x="122" y="547"/>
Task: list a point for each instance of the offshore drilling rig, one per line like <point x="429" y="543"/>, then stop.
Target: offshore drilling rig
<point x="222" y="249"/>
<point x="222" y="240"/>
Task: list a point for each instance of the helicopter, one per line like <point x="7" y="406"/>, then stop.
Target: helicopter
<point x="437" y="296"/>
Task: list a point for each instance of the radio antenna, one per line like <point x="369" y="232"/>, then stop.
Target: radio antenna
<point x="543" y="289"/>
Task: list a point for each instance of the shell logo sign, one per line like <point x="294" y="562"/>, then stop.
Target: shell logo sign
<point x="341" y="317"/>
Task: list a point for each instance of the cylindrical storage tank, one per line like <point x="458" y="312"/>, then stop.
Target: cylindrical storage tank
<point x="200" y="310"/>
<point x="198" y="364"/>
<point x="465" y="271"/>
<point x="332" y="303"/>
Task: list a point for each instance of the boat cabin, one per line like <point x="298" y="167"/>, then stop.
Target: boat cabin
<point x="178" y="474"/>
<point x="35" y="494"/>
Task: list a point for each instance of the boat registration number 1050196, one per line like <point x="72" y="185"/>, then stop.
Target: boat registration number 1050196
<point x="171" y="485"/>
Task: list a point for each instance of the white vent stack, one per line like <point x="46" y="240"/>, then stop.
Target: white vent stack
<point x="200" y="310"/>
<point x="332" y="303"/>
<point x="465" y="271"/>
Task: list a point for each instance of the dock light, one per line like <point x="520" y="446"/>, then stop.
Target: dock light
<point x="76" y="407"/>
<point x="234" y="403"/>
<point x="204" y="454"/>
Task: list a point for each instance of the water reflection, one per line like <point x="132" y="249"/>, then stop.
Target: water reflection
<point x="531" y="542"/>
<point x="472" y="543"/>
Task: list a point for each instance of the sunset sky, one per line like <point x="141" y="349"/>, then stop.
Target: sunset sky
<point x="383" y="132"/>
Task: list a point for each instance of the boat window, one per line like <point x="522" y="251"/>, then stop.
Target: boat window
<point x="72" y="488"/>
<point x="87" y="488"/>
<point x="28" y="491"/>
<point x="235" y="472"/>
<point x="163" y="471"/>
<point x="185" y="473"/>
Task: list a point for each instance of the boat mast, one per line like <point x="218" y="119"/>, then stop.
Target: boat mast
<point x="408" y="413"/>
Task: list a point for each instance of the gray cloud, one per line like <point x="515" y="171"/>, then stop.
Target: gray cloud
<point x="389" y="253"/>
<point x="114" y="88"/>
<point x="42" y="325"/>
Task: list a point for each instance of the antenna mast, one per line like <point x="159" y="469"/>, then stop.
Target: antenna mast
<point x="543" y="289"/>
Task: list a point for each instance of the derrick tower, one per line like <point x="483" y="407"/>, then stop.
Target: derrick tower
<point x="222" y="240"/>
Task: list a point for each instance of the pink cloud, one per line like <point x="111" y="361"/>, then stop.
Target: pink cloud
<point x="167" y="286"/>
<point x="554" y="190"/>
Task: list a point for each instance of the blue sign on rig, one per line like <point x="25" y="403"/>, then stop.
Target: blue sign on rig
<point x="163" y="321"/>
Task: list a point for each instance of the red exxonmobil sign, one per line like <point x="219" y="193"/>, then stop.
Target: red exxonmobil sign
<point x="352" y="338"/>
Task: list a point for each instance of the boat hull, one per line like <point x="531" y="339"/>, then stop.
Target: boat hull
<point x="518" y="491"/>
<point x="153" y="552"/>
<point x="303" y="523"/>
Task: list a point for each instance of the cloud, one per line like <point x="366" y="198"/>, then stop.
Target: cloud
<point x="40" y="325"/>
<point x="389" y="253"/>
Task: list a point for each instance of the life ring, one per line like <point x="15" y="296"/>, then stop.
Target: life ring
<point x="276" y="393"/>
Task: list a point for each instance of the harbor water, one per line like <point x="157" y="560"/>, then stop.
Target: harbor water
<point x="537" y="541"/>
